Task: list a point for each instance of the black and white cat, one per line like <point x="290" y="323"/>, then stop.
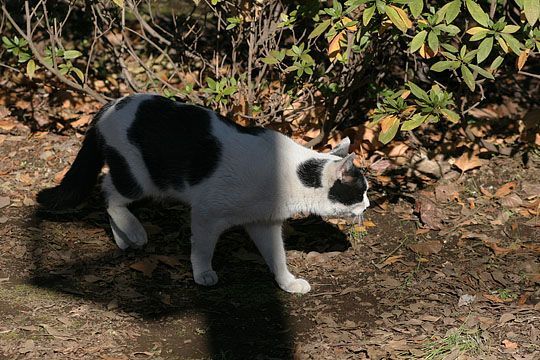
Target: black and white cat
<point x="229" y="174"/>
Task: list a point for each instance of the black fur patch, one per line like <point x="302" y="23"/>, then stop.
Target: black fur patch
<point x="350" y="191"/>
<point x="81" y="178"/>
<point x="251" y="130"/>
<point x="120" y="104"/>
<point x="175" y="142"/>
<point x="310" y="172"/>
<point x="122" y="178"/>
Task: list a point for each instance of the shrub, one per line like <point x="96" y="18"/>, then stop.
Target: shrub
<point x="293" y="66"/>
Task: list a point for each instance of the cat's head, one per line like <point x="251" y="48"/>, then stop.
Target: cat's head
<point x="343" y="185"/>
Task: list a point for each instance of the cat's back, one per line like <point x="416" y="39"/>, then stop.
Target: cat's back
<point x="175" y="146"/>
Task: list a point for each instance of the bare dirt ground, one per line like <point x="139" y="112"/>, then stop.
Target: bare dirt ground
<point x="451" y="271"/>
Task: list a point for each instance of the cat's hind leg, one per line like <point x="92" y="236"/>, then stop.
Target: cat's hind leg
<point x="126" y="229"/>
<point x="268" y="239"/>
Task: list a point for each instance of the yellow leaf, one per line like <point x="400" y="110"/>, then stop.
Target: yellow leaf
<point x="476" y="30"/>
<point x="503" y="44"/>
<point x="522" y="59"/>
<point x="387" y="122"/>
<point x="345" y="21"/>
<point x="405" y="94"/>
<point x="426" y="52"/>
<point x="334" y="47"/>
<point x="403" y="15"/>
<point x="119" y="3"/>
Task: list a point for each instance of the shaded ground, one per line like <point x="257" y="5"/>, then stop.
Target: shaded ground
<point x="454" y="272"/>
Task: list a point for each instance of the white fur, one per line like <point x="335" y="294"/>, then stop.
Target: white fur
<point x="255" y="184"/>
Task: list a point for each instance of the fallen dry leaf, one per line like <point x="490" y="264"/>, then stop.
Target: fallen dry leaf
<point x="447" y="192"/>
<point x="83" y="120"/>
<point x="7" y="125"/>
<point x="426" y="247"/>
<point x="531" y="189"/>
<point x="430" y="214"/>
<point x="468" y="161"/>
<point x="60" y="175"/>
<point x="496" y="248"/>
<point x="506" y="317"/>
<point x="392" y="259"/>
<point x="509" y="344"/>
<point x="505" y="189"/>
<point x="168" y="260"/>
<point x="52" y="331"/>
<point x="4" y="201"/>
<point x="511" y="201"/>
<point x="146" y="266"/>
<point x="27" y="347"/>
<point x="496" y="299"/>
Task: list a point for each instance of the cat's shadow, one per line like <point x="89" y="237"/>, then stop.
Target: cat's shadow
<point x="246" y="299"/>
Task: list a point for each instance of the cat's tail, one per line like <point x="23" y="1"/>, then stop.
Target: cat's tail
<point x="80" y="179"/>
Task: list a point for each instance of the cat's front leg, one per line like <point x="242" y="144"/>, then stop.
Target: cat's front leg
<point x="204" y="236"/>
<point x="269" y="241"/>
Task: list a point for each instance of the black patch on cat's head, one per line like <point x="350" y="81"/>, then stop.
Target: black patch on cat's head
<point x="250" y="130"/>
<point x="310" y="172"/>
<point x="176" y="142"/>
<point x="120" y="104"/>
<point x="122" y="178"/>
<point x="350" y="189"/>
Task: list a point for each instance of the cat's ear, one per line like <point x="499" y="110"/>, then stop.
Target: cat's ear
<point x="344" y="166"/>
<point x="342" y="149"/>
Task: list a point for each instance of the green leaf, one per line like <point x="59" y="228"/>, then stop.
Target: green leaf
<point x="450" y="115"/>
<point x="433" y="41"/>
<point x="319" y="29"/>
<point x="7" y="42"/>
<point x="479" y="35"/>
<point x="381" y="6"/>
<point x="477" y="13"/>
<point x="24" y="57"/>
<point x="418" y="92"/>
<point x="532" y="10"/>
<point x="119" y="3"/>
<point x="482" y="71"/>
<point x="452" y="11"/>
<point x="416" y="7"/>
<point x="484" y="49"/>
<point x="390" y="124"/>
<point x="510" y="29"/>
<point x="270" y="60"/>
<point x="445" y="65"/>
<point x="414" y="122"/>
<point x="512" y="42"/>
<point x="496" y="63"/>
<point x="449" y="47"/>
<point x="211" y="83"/>
<point x="469" y="56"/>
<point x="418" y="40"/>
<point x="31" y="68"/>
<point x="367" y="15"/>
<point x="450" y="29"/>
<point x="468" y="77"/>
<point x="394" y="17"/>
<point x="71" y="54"/>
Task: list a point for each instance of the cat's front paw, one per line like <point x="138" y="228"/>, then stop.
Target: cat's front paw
<point x="207" y="278"/>
<point x="296" y="286"/>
